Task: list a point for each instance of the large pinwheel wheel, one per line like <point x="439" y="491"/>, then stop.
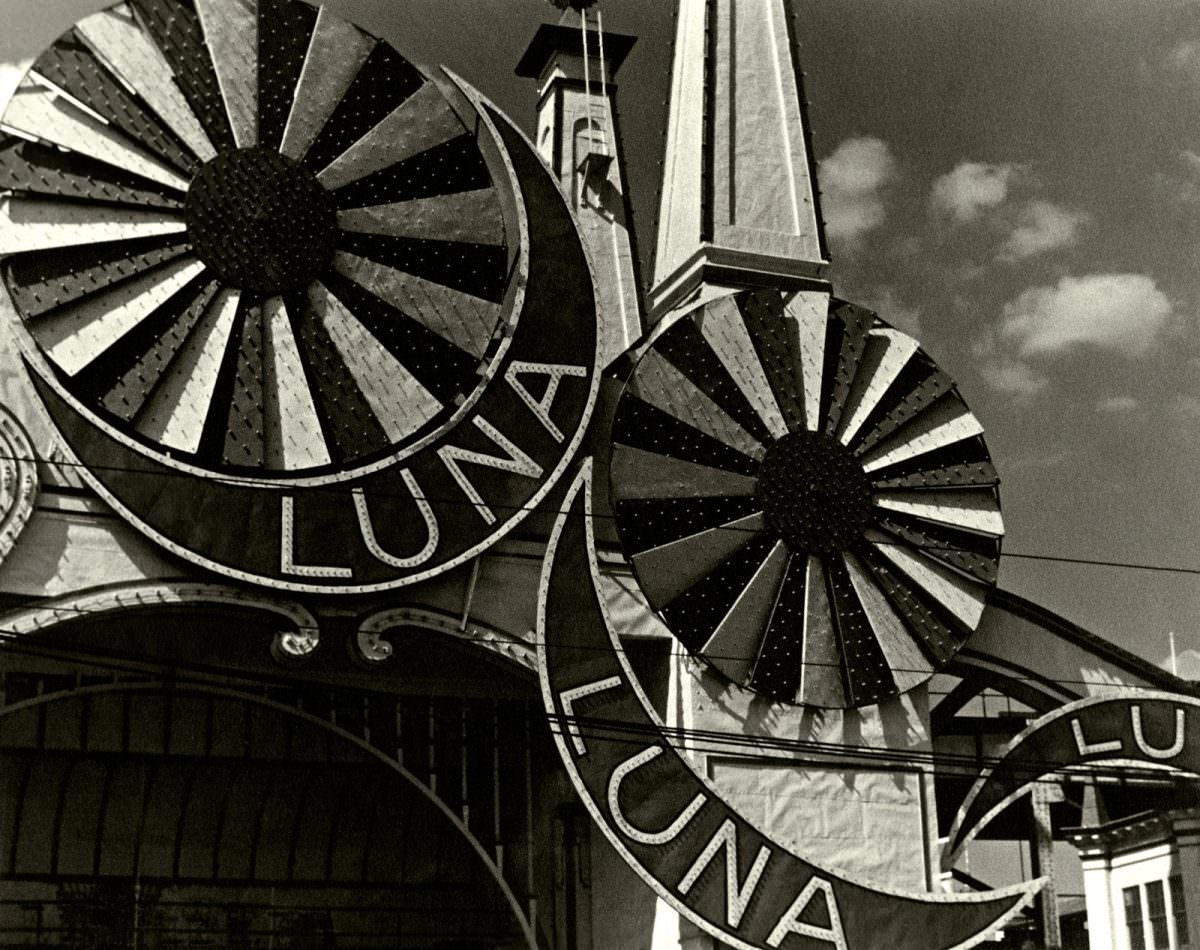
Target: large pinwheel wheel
<point x="251" y="237"/>
<point x="805" y="498"/>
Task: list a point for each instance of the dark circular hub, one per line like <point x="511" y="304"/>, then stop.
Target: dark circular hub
<point x="814" y="492"/>
<point x="260" y="220"/>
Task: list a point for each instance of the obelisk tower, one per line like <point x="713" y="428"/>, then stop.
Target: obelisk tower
<point x="739" y="205"/>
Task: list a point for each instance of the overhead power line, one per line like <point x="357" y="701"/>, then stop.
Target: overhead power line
<point x="600" y="516"/>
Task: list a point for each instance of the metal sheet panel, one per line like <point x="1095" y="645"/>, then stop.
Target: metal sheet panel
<point x="75" y="335"/>
<point x="734" y="645"/>
<point x="38" y="286"/>
<point x="947" y="422"/>
<point x="294" y="439"/>
<point x="40" y="114"/>
<point x="115" y="36"/>
<point x="176" y="414"/>
<point x="336" y="53"/>
<point x="466" y="321"/>
<point x="136" y="384"/>
<point x="231" y="33"/>
<point x="645" y="426"/>
<point x="780" y="661"/>
<point x="422" y="121"/>
<point x="908" y="664"/>
<point x="821" y="673"/>
<point x="33" y="168"/>
<point x="399" y="401"/>
<point x="695" y="614"/>
<point x="888" y="352"/>
<point x="71" y="66"/>
<point x="669" y="570"/>
<point x="637" y="473"/>
<point x="848" y="326"/>
<point x="468" y="216"/>
<point x="653" y="522"/>
<point x="810" y="311"/>
<point x="777" y="342"/>
<point x="689" y="351"/>
<point x="42" y="225"/>
<point x="972" y="510"/>
<point x="726" y="334"/>
<point x="962" y="598"/>
<point x="661" y="385"/>
<point x="175" y="29"/>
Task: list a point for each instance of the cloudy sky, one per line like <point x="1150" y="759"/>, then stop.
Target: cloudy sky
<point x="1016" y="181"/>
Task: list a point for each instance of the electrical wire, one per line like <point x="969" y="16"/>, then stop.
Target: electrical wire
<point x="735" y="745"/>
<point x="8" y="633"/>
<point x="603" y="516"/>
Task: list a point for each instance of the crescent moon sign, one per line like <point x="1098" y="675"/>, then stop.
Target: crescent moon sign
<point x="670" y="823"/>
<point x="448" y="498"/>
<point x="1149" y="728"/>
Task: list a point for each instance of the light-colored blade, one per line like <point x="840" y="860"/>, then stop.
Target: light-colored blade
<point x="420" y="122"/>
<point x="734" y="645"/>
<point x="294" y="439"/>
<point x="963" y="598"/>
<point x="41" y="225"/>
<point x="726" y="334"/>
<point x="231" y="33"/>
<point x="467" y="322"/>
<point x="177" y="410"/>
<point x="944" y="423"/>
<point x="888" y="352"/>
<point x="469" y="216"/>
<point x="642" y="474"/>
<point x="336" y="53"/>
<point x="37" y="112"/>
<point x="821" y="674"/>
<point x="973" y="510"/>
<point x="116" y="38"/>
<point x="908" y="664"/>
<point x="659" y="383"/>
<point x="77" y="334"/>
<point x="810" y="310"/>
<point x="398" y="400"/>
<point x="667" y="571"/>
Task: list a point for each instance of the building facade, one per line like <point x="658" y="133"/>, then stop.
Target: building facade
<point x="387" y="563"/>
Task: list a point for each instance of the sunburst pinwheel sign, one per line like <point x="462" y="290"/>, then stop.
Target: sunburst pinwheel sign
<point x="254" y="242"/>
<point x="805" y="497"/>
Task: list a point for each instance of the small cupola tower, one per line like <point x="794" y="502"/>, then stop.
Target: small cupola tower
<point x="577" y="136"/>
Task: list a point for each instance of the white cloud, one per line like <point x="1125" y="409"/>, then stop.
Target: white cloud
<point x="1185" y="56"/>
<point x="1187" y="661"/>
<point x="1181" y="185"/>
<point x="1013" y="377"/>
<point x="885" y="302"/>
<point x="1123" y="312"/>
<point x="1117" y="404"/>
<point x="972" y="188"/>
<point x="1042" y="226"/>
<point x="10" y="77"/>
<point x="852" y="181"/>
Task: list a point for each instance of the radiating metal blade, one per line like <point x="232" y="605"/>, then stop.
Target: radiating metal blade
<point x="471" y="216"/>
<point x="115" y="37"/>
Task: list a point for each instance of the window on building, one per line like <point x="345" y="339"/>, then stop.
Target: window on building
<point x="1133" y="918"/>
<point x="1156" y="908"/>
<point x="1179" y="911"/>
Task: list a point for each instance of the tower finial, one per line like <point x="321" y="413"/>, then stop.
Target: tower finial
<point x="739" y="204"/>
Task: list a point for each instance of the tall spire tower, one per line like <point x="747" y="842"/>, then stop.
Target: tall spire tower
<point x="739" y="204"/>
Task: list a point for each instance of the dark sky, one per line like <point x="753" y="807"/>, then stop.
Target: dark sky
<point x="1018" y="182"/>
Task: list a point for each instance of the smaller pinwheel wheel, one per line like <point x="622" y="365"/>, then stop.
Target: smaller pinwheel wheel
<point x="805" y="498"/>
